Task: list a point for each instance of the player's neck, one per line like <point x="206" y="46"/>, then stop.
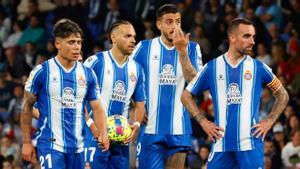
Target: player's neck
<point x="65" y="63"/>
<point x="119" y="57"/>
<point x="166" y="42"/>
<point x="233" y="56"/>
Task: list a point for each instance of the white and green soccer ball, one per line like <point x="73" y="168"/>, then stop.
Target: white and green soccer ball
<point x="117" y="128"/>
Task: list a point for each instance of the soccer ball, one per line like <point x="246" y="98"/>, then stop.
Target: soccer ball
<point x="117" y="128"/>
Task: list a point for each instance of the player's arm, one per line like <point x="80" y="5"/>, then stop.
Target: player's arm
<point x="281" y="100"/>
<point x="138" y="116"/>
<point x="100" y="122"/>
<point x="91" y="124"/>
<point x="209" y="127"/>
<point x="181" y="41"/>
<point x="28" y="152"/>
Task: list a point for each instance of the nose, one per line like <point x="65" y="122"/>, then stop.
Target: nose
<point x="252" y="41"/>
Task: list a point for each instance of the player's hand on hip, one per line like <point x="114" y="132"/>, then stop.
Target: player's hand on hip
<point x="28" y="153"/>
<point x="213" y="131"/>
<point x="180" y="40"/>
<point x="262" y="128"/>
<point x="133" y="135"/>
<point x="103" y="142"/>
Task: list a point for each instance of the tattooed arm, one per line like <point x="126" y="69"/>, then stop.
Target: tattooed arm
<point x="28" y="153"/>
<point x="209" y="127"/>
<point x="281" y="100"/>
<point x="181" y="41"/>
<point x="188" y="69"/>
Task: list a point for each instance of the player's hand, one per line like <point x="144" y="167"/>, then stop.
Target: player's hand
<point x="28" y="153"/>
<point x="133" y="135"/>
<point x="262" y="128"/>
<point x="180" y="40"/>
<point x="103" y="142"/>
<point x="213" y="131"/>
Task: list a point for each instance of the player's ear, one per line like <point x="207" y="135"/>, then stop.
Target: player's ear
<point x="57" y="43"/>
<point x="113" y="37"/>
<point x="158" y="24"/>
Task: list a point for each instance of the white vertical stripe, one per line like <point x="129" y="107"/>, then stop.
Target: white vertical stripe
<point x="80" y="92"/>
<point x="222" y="101"/>
<point x="55" y="104"/>
<point x="154" y="62"/>
<point x="108" y="78"/>
<point x="199" y="62"/>
<point x="245" y="111"/>
<point x="132" y="78"/>
<point x="178" y="107"/>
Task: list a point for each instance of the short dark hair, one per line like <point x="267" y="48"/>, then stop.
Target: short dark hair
<point x="115" y="25"/>
<point x="165" y="9"/>
<point x="65" y="27"/>
<point x="236" y="22"/>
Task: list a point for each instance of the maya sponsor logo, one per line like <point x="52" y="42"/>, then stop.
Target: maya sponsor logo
<point x="233" y="94"/>
<point x="119" y="91"/>
<point x="167" y="76"/>
<point x="68" y="99"/>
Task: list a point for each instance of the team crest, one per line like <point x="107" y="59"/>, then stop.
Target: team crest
<point x="81" y="81"/>
<point x="132" y="77"/>
<point x="248" y="75"/>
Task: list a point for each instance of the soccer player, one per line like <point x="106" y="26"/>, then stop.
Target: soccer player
<point x="121" y="81"/>
<point x="166" y="136"/>
<point x="61" y="86"/>
<point x="236" y="81"/>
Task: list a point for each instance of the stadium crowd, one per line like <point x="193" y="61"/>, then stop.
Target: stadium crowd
<point x="26" y="41"/>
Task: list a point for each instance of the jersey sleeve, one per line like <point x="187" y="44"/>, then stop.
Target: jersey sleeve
<point x="96" y="62"/>
<point x="200" y="82"/>
<point x="195" y="55"/>
<point x="268" y="78"/>
<point x="139" y="93"/>
<point x="35" y="80"/>
<point x="93" y="90"/>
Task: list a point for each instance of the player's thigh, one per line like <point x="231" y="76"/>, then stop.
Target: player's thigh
<point x="95" y="158"/>
<point x="176" y="161"/>
<point x="221" y="160"/>
<point x="252" y="159"/>
<point x="151" y="155"/>
<point x="119" y="157"/>
<point x="74" y="160"/>
<point x="51" y="159"/>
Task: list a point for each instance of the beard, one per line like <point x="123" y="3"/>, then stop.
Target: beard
<point x="169" y="39"/>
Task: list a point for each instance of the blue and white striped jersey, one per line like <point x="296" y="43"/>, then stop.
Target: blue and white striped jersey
<point x="119" y="84"/>
<point x="164" y="86"/>
<point x="236" y="95"/>
<point x="61" y="95"/>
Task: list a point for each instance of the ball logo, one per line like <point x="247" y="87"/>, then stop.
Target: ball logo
<point x="248" y="75"/>
<point x="233" y="94"/>
<point x="68" y="99"/>
<point x="167" y="76"/>
<point x="119" y="91"/>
